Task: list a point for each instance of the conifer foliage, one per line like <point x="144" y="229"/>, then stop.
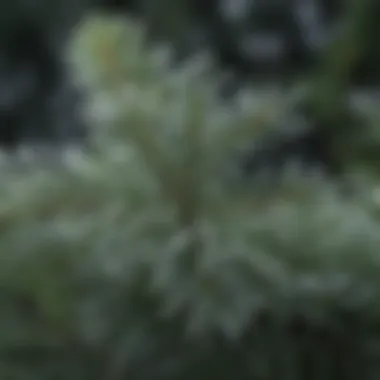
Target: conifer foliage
<point x="136" y="259"/>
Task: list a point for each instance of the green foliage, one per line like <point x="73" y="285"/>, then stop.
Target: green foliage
<point x="135" y="260"/>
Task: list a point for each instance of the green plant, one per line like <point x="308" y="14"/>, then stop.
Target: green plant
<point x="135" y="260"/>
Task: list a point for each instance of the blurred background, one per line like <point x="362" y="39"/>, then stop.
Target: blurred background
<point x="323" y="52"/>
